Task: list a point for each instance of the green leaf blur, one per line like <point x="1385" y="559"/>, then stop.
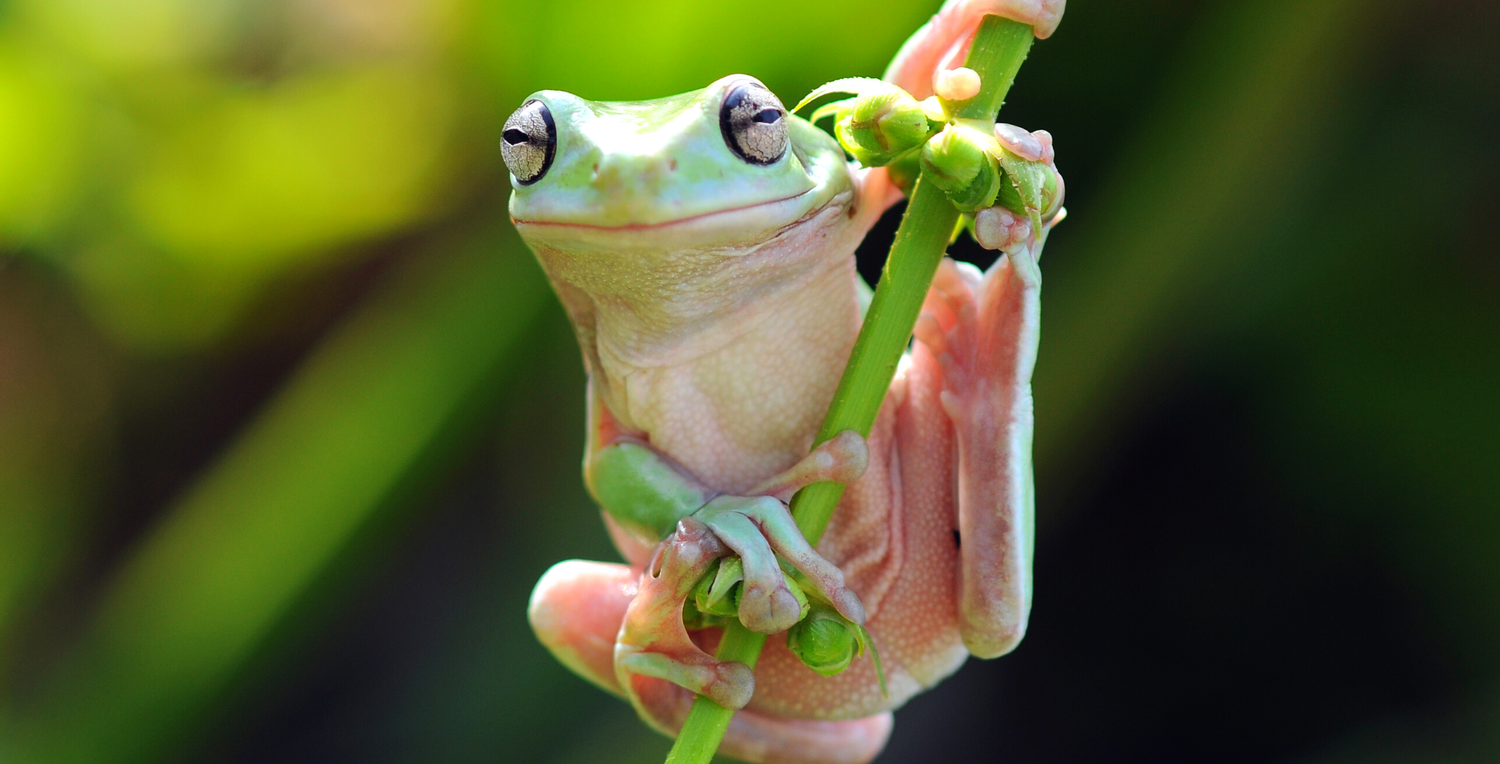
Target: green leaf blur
<point x="290" y="423"/>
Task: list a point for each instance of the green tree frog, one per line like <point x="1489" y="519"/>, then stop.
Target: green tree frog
<point x="702" y="246"/>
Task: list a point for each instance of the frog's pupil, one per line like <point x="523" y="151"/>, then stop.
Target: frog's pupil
<point x="516" y="137"/>
<point x="766" y="116"/>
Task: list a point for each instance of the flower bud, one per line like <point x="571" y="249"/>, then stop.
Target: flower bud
<point x="716" y="597"/>
<point x="824" y="641"/>
<point x="957" y="161"/>
<point x="1033" y="188"/>
<point x="880" y="125"/>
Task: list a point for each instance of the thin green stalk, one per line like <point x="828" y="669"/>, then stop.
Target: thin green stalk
<point x="920" y="243"/>
<point x="999" y="49"/>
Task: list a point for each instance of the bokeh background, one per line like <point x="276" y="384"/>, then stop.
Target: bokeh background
<point x="289" y="423"/>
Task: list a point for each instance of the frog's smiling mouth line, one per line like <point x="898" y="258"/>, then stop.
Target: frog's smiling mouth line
<point x="663" y="224"/>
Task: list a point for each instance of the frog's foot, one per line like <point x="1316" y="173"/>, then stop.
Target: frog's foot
<point x="576" y="610"/>
<point x="758" y="528"/>
<point x="653" y="641"/>
<point x="925" y="64"/>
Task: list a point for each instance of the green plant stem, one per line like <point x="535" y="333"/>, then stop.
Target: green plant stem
<point x="999" y="48"/>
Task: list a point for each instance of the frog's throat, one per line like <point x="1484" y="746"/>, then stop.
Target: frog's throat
<point x="653" y="304"/>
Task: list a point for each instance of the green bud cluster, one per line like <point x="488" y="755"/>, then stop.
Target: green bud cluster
<point x="884" y="126"/>
<point x="824" y="641"/>
<point x="878" y="128"/>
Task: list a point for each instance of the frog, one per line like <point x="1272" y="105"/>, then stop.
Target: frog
<point x="702" y="247"/>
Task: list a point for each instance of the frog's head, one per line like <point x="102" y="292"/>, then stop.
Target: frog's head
<point x="724" y="166"/>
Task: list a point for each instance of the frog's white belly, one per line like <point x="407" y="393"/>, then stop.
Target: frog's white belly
<point x="737" y="415"/>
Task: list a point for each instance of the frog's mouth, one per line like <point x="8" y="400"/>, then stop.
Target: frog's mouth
<point x="747" y="216"/>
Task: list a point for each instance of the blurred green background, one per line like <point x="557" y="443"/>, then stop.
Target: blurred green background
<point x="290" y="425"/>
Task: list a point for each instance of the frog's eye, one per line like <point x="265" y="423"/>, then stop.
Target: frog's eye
<point x="529" y="142"/>
<point x="754" y="123"/>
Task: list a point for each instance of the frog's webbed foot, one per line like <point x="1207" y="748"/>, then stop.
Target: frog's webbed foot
<point x="653" y="642"/>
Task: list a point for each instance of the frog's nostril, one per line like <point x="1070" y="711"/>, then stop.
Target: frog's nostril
<point x="596" y="170"/>
<point x="671" y="165"/>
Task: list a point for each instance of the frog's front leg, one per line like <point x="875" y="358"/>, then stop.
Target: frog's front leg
<point x="653" y="642"/>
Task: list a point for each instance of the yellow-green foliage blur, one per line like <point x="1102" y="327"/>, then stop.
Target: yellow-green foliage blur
<point x="290" y="423"/>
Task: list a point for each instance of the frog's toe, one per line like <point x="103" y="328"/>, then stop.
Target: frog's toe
<point x="939" y="46"/>
<point x="842" y="459"/>
<point x="1000" y="229"/>
<point x="769" y="610"/>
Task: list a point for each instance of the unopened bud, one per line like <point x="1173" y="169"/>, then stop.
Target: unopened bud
<point x="718" y="592"/>
<point x="1052" y="195"/>
<point x="957" y="162"/>
<point x="1019" y="142"/>
<point x="880" y="125"/>
<point x="1033" y="187"/>
<point x="824" y="641"/>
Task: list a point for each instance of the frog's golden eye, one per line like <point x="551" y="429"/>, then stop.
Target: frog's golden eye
<point x="754" y="123"/>
<point x="529" y="142"/>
